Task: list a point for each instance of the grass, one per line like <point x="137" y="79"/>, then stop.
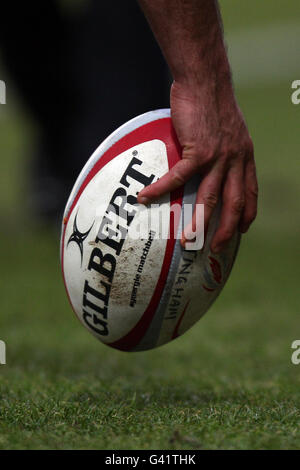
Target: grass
<point x="228" y="383"/>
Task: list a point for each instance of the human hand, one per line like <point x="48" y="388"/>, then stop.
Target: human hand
<point x="215" y="143"/>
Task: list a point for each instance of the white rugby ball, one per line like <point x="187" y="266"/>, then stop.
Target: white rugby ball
<point x="136" y="293"/>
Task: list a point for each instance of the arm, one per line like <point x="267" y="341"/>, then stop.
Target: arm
<point x="207" y="120"/>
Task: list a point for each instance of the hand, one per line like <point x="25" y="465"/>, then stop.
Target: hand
<point x="215" y="143"/>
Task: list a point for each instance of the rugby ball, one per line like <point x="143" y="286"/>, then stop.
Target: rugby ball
<point x="137" y="292"/>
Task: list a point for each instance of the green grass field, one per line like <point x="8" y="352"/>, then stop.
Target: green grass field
<point x="226" y="384"/>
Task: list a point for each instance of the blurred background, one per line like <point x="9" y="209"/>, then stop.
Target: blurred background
<point x="74" y="71"/>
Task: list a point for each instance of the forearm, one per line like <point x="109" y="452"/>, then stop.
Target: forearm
<point x="190" y="35"/>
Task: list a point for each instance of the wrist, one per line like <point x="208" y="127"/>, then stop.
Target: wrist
<point x="206" y="74"/>
<point x="215" y="88"/>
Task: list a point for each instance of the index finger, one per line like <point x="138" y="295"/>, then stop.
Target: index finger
<point x="176" y="177"/>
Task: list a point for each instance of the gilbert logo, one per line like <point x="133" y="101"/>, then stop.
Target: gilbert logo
<point x="79" y="237"/>
<point x="2" y="92"/>
<point x="2" y="353"/>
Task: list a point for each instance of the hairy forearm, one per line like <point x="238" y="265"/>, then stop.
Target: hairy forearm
<point x="190" y="35"/>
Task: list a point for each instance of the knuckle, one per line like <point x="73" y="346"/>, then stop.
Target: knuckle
<point x="237" y="204"/>
<point x="227" y="234"/>
<point x="225" y="152"/>
<point x="236" y="150"/>
<point x="183" y="170"/>
<point x="206" y="155"/>
<point x="231" y="155"/>
<point x="253" y="191"/>
<point x="203" y="161"/>
<point x="223" y="159"/>
<point x="240" y="152"/>
<point x="210" y="199"/>
<point x="177" y="177"/>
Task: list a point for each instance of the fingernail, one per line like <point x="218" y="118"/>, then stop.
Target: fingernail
<point x="143" y="200"/>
